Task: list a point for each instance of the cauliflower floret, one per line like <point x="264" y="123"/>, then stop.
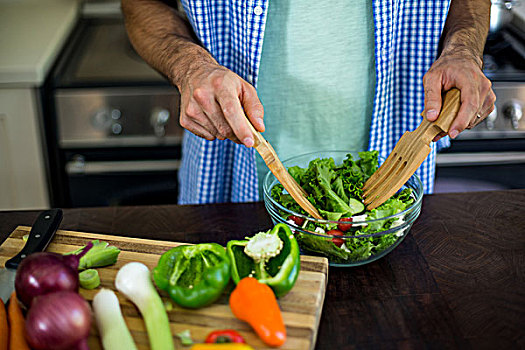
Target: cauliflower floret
<point x="263" y="246"/>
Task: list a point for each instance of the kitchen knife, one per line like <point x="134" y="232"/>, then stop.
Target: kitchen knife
<point x="42" y="232"/>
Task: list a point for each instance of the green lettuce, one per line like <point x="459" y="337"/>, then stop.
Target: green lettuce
<point x="336" y="191"/>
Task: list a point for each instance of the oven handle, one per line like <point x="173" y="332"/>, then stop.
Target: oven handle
<point x="78" y="166"/>
<point x="483" y="158"/>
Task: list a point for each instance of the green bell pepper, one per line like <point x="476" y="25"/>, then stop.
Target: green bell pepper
<point x="272" y="257"/>
<point x="193" y="275"/>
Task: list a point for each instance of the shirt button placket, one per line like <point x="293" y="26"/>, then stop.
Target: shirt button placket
<point x="258" y="10"/>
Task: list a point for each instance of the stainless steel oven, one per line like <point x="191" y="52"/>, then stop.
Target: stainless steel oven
<point x="111" y="123"/>
<point x="113" y="137"/>
<point x="492" y="155"/>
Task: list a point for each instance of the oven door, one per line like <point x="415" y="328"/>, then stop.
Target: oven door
<point x="115" y="182"/>
<point x="479" y="171"/>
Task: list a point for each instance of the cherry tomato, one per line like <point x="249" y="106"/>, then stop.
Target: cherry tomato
<point x="344" y="227"/>
<point x="298" y="220"/>
<point x="337" y="241"/>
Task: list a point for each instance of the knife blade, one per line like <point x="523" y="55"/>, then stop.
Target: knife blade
<point x="42" y="232"/>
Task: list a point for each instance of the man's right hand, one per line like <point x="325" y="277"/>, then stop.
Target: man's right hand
<point x="215" y="102"/>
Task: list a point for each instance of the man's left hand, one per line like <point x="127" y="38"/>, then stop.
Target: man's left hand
<point x="462" y="71"/>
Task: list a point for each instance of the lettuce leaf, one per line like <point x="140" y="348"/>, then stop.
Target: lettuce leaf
<point x="336" y="191"/>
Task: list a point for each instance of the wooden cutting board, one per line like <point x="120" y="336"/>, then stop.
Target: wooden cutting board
<point x="301" y="307"/>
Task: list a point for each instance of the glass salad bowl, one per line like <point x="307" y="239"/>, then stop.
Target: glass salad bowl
<point x="368" y="235"/>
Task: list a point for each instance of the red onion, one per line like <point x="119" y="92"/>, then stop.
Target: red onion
<point x="57" y="321"/>
<point x="42" y="273"/>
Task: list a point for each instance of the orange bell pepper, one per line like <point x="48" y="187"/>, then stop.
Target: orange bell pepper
<point x="255" y="303"/>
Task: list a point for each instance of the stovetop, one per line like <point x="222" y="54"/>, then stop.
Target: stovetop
<point x="101" y="54"/>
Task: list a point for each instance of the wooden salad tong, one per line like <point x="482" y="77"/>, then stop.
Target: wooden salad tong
<point x="281" y="173"/>
<point x="408" y="154"/>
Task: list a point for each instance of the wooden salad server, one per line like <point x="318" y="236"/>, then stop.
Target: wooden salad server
<point x="408" y="154"/>
<point x="281" y="173"/>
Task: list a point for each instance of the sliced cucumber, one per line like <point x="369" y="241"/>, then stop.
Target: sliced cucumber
<point x="356" y="206"/>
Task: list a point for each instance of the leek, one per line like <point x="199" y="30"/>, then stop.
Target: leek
<point x="113" y="330"/>
<point x="101" y="254"/>
<point x="133" y="281"/>
<point x="185" y="337"/>
<point x="89" y="279"/>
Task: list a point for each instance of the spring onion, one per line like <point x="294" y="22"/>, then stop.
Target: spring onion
<point x="133" y="281"/>
<point x="114" y="332"/>
<point x="101" y="254"/>
<point x="168" y="305"/>
<point x="89" y="279"/>
<point x="185" y="337"/>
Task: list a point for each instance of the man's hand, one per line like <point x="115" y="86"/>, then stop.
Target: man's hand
<point x="462" y="71"/>
<point x="459" y="65"/>
<point x="215" y="102"/>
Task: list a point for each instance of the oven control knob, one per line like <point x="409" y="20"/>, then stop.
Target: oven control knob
<point x="159" y="118"/>
<point x="102" y="119"/>
<point x="491" y="118"/>
<point x="116" y="114"/>
<point x="514" y="112"/>
<point x="116" y="129"/>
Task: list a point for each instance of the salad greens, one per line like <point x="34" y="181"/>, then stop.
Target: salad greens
<point x="336" y="191"/>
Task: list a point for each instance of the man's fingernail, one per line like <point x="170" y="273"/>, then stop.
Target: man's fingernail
<point x="432" y="113"/>
<point x="260" y="121"/>
<point x="453" y="134"/>
<point x="248" y="142"/>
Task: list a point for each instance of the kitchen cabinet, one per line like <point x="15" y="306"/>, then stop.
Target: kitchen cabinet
<point x="23" y="182"/>
<point x="32" y="35"/>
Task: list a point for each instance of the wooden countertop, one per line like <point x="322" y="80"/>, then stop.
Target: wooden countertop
<point x="456" y="281"/>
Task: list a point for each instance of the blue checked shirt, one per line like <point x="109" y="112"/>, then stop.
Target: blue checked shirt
<point x="407" y="33"/>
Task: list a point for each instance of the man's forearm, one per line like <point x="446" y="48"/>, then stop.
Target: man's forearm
<point x="460" y="65"/>
<point x="466" y="28"/>
<point x="163" y="39"/>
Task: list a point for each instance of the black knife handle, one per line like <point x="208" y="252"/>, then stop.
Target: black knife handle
<point x="42" y="232"/>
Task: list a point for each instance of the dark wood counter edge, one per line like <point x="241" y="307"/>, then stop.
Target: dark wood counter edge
<point x="457" y="280"/>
